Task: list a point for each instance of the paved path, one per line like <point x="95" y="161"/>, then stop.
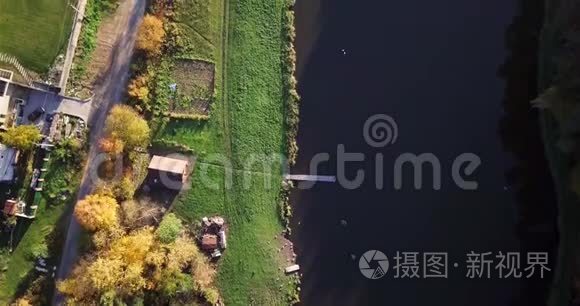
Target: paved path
<point x="72" y="44"/>
<point x="109" y="90"/>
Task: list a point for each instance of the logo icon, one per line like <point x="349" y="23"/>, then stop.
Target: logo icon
<point x="380" y="130"/>
<point x="373" y="264"/>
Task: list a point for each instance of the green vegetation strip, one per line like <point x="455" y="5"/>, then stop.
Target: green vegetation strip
<point x="95" y="11"/>
<point x="35" y="31"/>
<point x="247" y="120"/>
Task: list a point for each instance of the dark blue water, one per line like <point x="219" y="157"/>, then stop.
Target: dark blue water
<point x="453" y="77"/>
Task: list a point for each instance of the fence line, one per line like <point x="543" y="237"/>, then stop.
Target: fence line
<point x="14" y="61"/>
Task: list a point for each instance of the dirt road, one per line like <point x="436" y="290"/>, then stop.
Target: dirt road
<point x="108" y="91"/>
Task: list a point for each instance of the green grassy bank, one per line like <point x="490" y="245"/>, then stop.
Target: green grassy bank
<point x="247" y="120"/>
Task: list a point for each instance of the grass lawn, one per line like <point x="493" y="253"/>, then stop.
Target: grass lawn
<point x="249" y="270"/>
<point x="22" y="260"/>
<point x="254" y="79"/>
<point x="201" y="24"/>
<point x="246" y="119"/>
<point x="34" y="31"/>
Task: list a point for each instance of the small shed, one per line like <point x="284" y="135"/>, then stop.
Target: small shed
<point x="175" y="168"/>
<point x="10" y="207"/>
<point x="13" y="207"/>
<point x="209" y="242"/>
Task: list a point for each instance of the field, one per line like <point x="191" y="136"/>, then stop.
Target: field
<point x="34" y="31"/>
<point x="247" y="120"/>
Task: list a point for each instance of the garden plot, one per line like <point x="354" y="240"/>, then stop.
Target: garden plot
<point x="194" y="86"/>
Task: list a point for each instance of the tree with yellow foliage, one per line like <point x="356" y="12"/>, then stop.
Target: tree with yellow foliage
<point x="118" y="270"/>
<point x="22" y="137"/>
<point x="125" y="124"/>
<point x="78" y="286"/>
<point x="136" y="264"/>
<point x="97" y="212"/>
<point x="151" y="35"/>
<point x="138" y="88"/>
<point x="133" y="248"/>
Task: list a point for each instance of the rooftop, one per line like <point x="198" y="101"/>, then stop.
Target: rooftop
<point x="7" y="156"/>
<point x="167" y="164"/>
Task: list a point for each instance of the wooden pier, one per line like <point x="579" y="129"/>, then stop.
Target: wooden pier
<point x="310" y="178"/>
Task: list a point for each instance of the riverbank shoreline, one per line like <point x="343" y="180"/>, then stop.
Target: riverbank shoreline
<point x="568" y="203"/>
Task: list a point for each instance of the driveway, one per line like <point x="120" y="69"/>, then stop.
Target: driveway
<point x="53" y="103"/>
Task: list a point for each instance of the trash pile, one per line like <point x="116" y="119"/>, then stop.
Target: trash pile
<point x="213" y="236"/>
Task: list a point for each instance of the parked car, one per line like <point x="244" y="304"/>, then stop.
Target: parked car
<point x="49" y="118"/>
<point x="36" y="114"/>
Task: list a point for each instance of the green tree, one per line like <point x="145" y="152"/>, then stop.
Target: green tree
<point x="169" y="228"/>
<point x="22" y="137"/>
<point x="69" y="151"/>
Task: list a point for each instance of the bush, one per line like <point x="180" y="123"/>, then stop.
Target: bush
<point x="169" y="228"/>
<point x="138" y="88"/>
<point x="164" y="144"/>
<point x="173" y="284"/>
<point x="211" y="295"/>
<point x="151" y="35"/>
<point x="124" y="189"/>
<point x="38" y="250"/>
<point x="193" y="117"/>
<point x="69" y="152"/>
<point x="292" y="99"/>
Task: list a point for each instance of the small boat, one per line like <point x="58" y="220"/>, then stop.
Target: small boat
<point x="292" y="269"/>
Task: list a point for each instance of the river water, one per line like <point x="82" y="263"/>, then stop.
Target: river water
<point x="456" y="77"/>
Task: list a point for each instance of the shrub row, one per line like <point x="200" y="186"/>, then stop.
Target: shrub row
<point x="292" y="119"/>
<point x="194" y="117"/>
<point x="172" y="145"/>
<point x="291" y="97"/>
